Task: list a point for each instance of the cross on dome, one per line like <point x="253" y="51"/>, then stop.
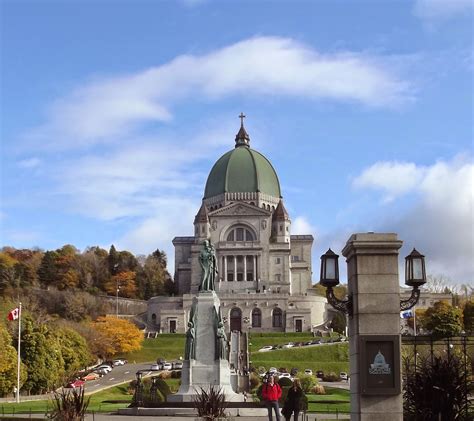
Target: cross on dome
<point x="242" y="138"/>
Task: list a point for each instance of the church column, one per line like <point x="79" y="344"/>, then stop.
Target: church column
<point x="255" y="268"/>
<point x="225" y="268"/>
<point x="235" y="268"/>
<point x="245" y="268"/>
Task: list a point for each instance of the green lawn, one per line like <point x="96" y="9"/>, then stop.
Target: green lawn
<point x="167" y="346"/>
<point x="334" y="357"/>
<point x="320" y="403"/>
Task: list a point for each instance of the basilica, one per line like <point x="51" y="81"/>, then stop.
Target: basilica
<point x="264" y="273"/>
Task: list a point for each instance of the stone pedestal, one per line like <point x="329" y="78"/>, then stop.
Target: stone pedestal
<point x="204" y="370"/>
<point x="373" y="283"/>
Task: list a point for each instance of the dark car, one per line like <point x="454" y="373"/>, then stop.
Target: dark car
<point x="293" y="371"/>
<point x="320" y="374"/>
<point x="308" y="343"/>
<point x="316" y="342"/>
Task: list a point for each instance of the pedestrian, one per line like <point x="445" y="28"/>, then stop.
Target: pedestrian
<point x="271" y="392"/>
<point x="294" y="401"/>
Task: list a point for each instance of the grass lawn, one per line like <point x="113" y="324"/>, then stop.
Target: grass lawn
<point x="167" y="346"/>
<point x="326" y="403"/>
<point x="334" y="357"/>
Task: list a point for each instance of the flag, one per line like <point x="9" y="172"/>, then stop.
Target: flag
<point x="14" y="314"/>
<point x="406" y="314"/>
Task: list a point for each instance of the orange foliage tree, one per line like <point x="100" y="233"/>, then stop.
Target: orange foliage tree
<point x="126" y="283"/>
<point x="118" y="336"/>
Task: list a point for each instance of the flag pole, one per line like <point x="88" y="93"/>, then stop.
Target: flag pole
<point x="19" y="359"/>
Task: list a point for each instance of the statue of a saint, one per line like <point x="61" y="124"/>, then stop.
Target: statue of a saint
<point x="190" y="337"/>
<point x="221" y="342"/>
<point x="208" y="262"/>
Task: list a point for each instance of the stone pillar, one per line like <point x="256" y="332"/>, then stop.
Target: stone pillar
<point x="225" y="268"/>
<point x="372" y="271"/>
<point x="235" y="268"/>
<point x="254" y="268"/>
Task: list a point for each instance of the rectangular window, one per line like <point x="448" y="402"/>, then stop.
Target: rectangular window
<point x="277" y="260"/>
<point x="277" y="277"/>
<point x="230" y="276"/>
<point x="240" y="276"/>
<point x="295" y="258"/>
<point x="240" y="234"/>
<point x="249" y="276"/>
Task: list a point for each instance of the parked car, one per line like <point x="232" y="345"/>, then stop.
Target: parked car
<point x="119" y="361"/>
<point x="343" y="375"/>
<point x="265" y="348"/>
<point x="288" y="345"/>
<point x="105" y="367"/>
<point x="320" y="374"/>
<point x="178" y="365"/>
<point x="101" y="371"/>
<point x="155" y="367"/>
<point x="316" y="342"/>
<point x="167" y="366"/>
<point x="272" y="370"/>
<point x="294" y="371"/>
<point x="308" y="343"/>
<point x="308" y="372"/>
<point x="91" y="376"/>
<point x="76" y="383"/>
<point x="285" y="375"/>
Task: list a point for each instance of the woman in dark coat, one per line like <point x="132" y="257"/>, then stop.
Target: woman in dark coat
<point x="294" y="401"/>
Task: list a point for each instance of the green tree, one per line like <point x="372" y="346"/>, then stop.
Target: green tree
<point x="113" y="261"/>
<point x="338" y="323"/>
<point x="8" y="362"/>
<point x="443" y="320"/>
<point x="48" y="271"/>
<point x="468" y="314"/>
<point x="74" y="350"/>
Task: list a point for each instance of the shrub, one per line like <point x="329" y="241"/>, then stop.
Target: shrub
<point x="165" y="375"/>
<point x="176" y="374"/>
<point x="331" y="377"/>
<point x="285" y="381"/>
<point x="162" y="386"/>
<point x="438" y="386"/>
<point x="210" y="404"/>
<point x="307" y="382"/>
<point x="319" y="390"/>
<point x="69" y="405"/>
<point x="283" y="370"/>
<point x="254" y="380"/>
<point x="261" y="370"/>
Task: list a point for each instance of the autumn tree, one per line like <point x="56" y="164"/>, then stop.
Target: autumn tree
<point x="120" y="335"/>
<point x="443" y="320"/>
<point x="125" y="281"/>
<point x="8" y="278"/>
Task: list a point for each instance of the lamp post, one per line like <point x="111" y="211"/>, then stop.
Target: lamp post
<point x="138" y="397"/>
<point x="415" y="276"/>
<point x="116" y="298"/>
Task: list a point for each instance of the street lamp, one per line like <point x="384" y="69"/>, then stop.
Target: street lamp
<point x="415" y="276"/>
<point x="330" y="279"/>
<point x="116" y="298"/>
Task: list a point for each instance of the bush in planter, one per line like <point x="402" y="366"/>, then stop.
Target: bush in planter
<point x="319" y="390"/>
<point x="254" y="380"/>
<point x="307" y="382"/>
<point x="210" y="404"/>
<point x="69" y="405"/>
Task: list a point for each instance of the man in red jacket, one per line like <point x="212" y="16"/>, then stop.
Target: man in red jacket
<point x="271" y="392"/>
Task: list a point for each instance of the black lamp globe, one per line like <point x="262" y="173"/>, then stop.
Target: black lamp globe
<point x="415" y="273"/>
<point x="329" y="269"/>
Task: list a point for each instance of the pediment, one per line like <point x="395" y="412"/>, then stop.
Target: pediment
<point x="240" y="208"/>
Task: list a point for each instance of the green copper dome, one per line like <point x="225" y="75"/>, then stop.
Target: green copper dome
<point x="242" y="170"/>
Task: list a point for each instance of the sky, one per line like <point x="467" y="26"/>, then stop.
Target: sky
<point x="113" y="113"/>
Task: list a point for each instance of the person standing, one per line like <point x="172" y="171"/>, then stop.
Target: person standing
<point x="294" y="401"/>
<point x="271" y="392"/>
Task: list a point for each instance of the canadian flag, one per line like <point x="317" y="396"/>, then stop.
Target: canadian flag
<point x="14" y="314"/>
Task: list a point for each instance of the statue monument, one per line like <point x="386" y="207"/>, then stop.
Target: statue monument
<point x="206" y="351"/>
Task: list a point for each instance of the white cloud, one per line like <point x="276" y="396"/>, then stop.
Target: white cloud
<point x="301" y="226"/>
<point x="435" y="10"/>
<point x="104" y="109"/>
<point x="440" y="222"/>
<point x="29" y="163"/>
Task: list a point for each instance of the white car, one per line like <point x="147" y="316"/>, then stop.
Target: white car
<point x="308" y="372"/>
<point x="105" y="367"/>
<point x="155" y="367"/>
<point x="119" y="362"/>
<point x="167" y="366"/>
<point x="288" y="345"/>
<point x="272" y="370"/>
<point x="265" y="348"/>
<point x="285" y="375"/>
<point x="178" y="365"/>
<point x="343" y="375"/>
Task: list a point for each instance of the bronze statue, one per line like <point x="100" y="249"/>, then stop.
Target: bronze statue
<point x="208" y="262"/>
<point x="221" y="342"/>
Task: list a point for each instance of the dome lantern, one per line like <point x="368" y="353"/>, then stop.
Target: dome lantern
<point x="242" y="138"/>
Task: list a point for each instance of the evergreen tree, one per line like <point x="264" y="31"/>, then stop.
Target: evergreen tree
<point x="48" y="272"/>
<point x="468" y="314"/>
<point x="113" y="261"/>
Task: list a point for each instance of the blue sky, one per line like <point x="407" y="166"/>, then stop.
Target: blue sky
<point x="113" y="113"/>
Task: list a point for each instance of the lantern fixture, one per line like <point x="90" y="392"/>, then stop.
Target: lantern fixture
<point x="415" y="277"/>
<point x="330" y="279"/>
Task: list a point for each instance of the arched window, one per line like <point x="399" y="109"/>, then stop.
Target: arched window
<point x="153" y="318"/>
<point x="256" y="317"/>
<point x="240" y="234"/>
<point x="236" y="319"/>
<point x="277" y="318"/>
